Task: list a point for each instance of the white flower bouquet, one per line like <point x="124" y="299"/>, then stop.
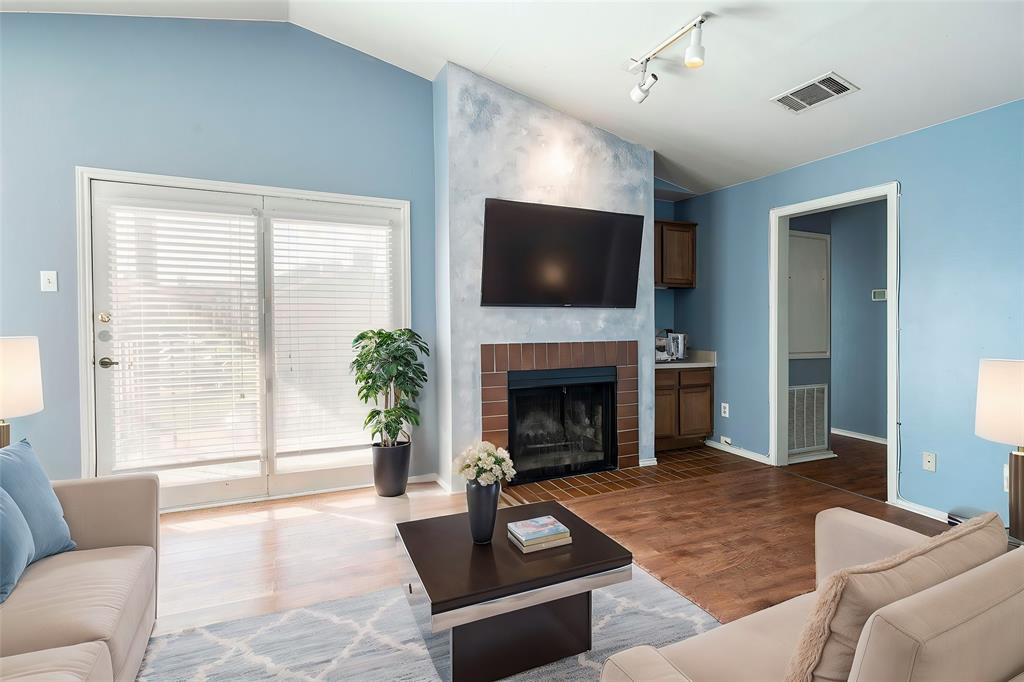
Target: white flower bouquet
<point x="485" y="464"/>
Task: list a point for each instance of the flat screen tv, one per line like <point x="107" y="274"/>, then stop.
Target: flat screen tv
<point x="540" y="255"/>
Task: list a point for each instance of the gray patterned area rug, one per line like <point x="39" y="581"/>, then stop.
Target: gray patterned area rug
<point x="377" y="637"/>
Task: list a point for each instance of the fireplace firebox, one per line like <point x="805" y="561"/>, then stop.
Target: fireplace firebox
<point x="562" y="422"/>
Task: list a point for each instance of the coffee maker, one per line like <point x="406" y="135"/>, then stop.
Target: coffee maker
<point x="676" y="345"/>
<point x="669" y="346"/>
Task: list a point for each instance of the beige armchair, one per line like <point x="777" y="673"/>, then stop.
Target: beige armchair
<point x="970" y="627"/>
<point x="87" y="614"/>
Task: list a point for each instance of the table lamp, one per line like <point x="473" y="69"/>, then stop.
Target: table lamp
<point x="999" y="417"/>
<point x="21" y="384"/>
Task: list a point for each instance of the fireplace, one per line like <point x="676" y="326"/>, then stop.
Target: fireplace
<point x="501" y="362"/>
<point x="561" y="422"/>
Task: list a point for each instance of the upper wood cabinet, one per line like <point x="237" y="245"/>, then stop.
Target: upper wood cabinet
<point x="675" y="254"/>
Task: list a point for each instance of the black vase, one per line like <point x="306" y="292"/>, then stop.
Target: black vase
<point x="391" y="469"/>
<point x="483" y="508"/>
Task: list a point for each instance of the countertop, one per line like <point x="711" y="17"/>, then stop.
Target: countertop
<point x="696" y="360"/>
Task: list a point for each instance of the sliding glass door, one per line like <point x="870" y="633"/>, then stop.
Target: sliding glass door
<point x="223" y="325"/>
<point x="330" y="278"/>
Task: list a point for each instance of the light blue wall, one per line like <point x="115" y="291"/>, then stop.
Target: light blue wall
<point x="265" y="103"/>
<point x="858" y="390"/>
<point x="962" y="297"/>
<point x="664" y="299"/>
<point x="664" y="210"/>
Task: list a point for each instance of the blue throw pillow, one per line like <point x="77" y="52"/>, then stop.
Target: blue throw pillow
<point x="23" y="478"/>
<point x="16" y="546"/>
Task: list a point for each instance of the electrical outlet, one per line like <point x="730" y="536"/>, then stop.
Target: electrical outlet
<point x="48" y="280"/>
<point x="725" y="409"/>
<point x="928" y="461"/>
<point x="726" y="440"/>
<point x="1006" y="477"/>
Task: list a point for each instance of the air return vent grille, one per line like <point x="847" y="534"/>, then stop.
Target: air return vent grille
<point x="811" y="94"/>
<point x="808" y="418"/>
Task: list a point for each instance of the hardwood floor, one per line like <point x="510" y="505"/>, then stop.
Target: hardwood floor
<point x="676" y="465"/>
<point x="247" y="559"/>
<point x="733" y="542"/>
<point x="733" y="535"/>
<point x="860" y="466"/>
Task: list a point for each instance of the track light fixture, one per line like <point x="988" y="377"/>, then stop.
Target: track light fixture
<point x="643" y="88"/>
<point x="693" y="59"/>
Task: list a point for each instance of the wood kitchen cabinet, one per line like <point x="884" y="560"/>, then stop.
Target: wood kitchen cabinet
<point x="675" y="254"/>
<point x="683" y="407"/>
<point x="666" y="405"/>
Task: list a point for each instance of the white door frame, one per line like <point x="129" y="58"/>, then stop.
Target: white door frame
<point x="286" y="485"/>
<point x="778" y="319"/>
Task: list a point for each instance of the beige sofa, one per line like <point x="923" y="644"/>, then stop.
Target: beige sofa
<point x="88" y="614"/>
<point x="970" y="627"/>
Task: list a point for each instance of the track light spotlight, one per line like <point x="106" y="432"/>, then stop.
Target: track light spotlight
<point x="640" y="91"/>
<point x="694" y="58"/>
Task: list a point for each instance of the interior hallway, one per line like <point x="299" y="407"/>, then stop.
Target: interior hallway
<point x="859" y="466"/>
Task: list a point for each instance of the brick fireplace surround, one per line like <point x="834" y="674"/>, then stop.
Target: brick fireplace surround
<point x="497" y="359"/>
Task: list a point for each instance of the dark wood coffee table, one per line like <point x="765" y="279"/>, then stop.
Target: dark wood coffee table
<point x="507" y="611"/>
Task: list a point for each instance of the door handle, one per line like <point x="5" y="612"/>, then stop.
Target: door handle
<point x="107" y="363"/>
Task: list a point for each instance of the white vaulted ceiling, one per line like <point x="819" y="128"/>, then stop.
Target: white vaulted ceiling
<point x="917" y="63"/>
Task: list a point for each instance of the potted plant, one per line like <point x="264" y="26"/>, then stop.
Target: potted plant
<point x="388" y="372"/>
<point x="483" y="466"/>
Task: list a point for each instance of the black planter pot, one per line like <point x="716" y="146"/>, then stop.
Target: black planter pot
<point x="391" y="469"/>
<point x="483" y="508"/>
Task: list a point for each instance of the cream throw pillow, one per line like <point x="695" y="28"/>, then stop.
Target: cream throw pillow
<point x="848" y="597"/>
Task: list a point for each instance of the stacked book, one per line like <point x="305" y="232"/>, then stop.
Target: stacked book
<point x="533" y="535"/>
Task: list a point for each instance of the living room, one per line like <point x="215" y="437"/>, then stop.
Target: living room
<point x="558" y="275"/>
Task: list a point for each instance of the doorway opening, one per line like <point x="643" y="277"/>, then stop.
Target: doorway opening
<point x="834" y="310"/>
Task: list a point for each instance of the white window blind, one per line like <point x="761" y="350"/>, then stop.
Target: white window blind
<point x="182" y="294"/>
<point x="335" y="272"/>
<point x="227" y="319"/>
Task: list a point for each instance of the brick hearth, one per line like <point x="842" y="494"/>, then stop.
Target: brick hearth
<point x="497" y="359"/>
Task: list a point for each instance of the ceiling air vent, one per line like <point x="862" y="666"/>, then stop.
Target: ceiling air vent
<point x="811" y="94"/>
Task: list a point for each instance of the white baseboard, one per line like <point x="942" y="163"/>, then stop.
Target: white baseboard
<point x="732" y="449"/>
<point x="436" y="478"/>
<point x="860" y="436"/>
<point x="802" y="457"/>
<point x="648" y="462"/>
<point x="920" y="509"/>
<point x="421" y="478"/>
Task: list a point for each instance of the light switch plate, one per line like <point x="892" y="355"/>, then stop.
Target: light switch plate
<point x="48" y="281"/>
<point x="928" y="461"/>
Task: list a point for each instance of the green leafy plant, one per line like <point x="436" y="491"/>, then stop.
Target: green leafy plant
<point x="388" y="370"/>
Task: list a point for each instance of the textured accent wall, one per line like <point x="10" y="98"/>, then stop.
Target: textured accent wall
<point x="504" y="145"/>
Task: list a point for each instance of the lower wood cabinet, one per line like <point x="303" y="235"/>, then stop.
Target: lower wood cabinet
<point x="683" y="407"/>
<point x="666" y="412"/>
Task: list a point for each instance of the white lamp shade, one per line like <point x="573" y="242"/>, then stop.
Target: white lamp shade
<point x="1000" y="413"/>
<point x="21" y="384"/>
